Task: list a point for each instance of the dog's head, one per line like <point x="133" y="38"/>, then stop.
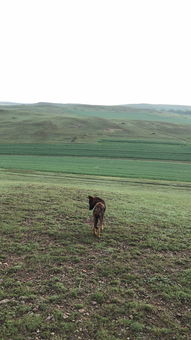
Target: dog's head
<point x="93" y="201"/>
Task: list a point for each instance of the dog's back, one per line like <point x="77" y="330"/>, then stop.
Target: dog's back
<point x="98" y="213"/>
<point x="99" y="207"/>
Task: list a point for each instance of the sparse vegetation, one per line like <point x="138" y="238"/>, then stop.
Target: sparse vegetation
<point x="59" y="282"/>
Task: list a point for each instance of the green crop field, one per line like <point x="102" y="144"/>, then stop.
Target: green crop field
<point x="159" y="170"/>
<point x="137" y="159"/>
<point x="108" y="149"/>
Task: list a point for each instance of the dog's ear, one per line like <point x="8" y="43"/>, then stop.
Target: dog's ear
<point x="90" y="198"/>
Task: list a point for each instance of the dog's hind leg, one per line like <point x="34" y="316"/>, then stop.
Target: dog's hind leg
<point x="101" y="223"/>
<point x="96" y="229"/>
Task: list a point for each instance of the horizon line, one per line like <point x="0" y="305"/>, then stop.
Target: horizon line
<point x="87" y="104"/>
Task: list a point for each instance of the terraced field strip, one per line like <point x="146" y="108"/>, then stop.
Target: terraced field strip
<point x="159" y="170"/>
<point x="120" y="149"/>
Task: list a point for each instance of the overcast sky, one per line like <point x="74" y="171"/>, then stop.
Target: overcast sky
<point x="95" y="51"/>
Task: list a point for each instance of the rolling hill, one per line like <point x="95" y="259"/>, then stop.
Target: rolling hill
<point x="55" y="123"/>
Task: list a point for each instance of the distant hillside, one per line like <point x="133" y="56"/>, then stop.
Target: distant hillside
<point x="161" y="107"/>
<point x="50" y="122"/>
<point x="9" y="103"/>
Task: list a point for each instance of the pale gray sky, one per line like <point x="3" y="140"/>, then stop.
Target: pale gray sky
<point x="95" y="51"/>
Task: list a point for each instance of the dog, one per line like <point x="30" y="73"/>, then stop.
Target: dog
<point x="99" y="207"/>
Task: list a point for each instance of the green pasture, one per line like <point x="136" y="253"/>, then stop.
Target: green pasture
<point x="172" y="171"/>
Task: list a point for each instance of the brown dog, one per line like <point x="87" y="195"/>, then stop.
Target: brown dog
<point x="99" y="207"/>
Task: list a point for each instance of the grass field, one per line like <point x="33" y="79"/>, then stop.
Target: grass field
<point x="59" y="282"/>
